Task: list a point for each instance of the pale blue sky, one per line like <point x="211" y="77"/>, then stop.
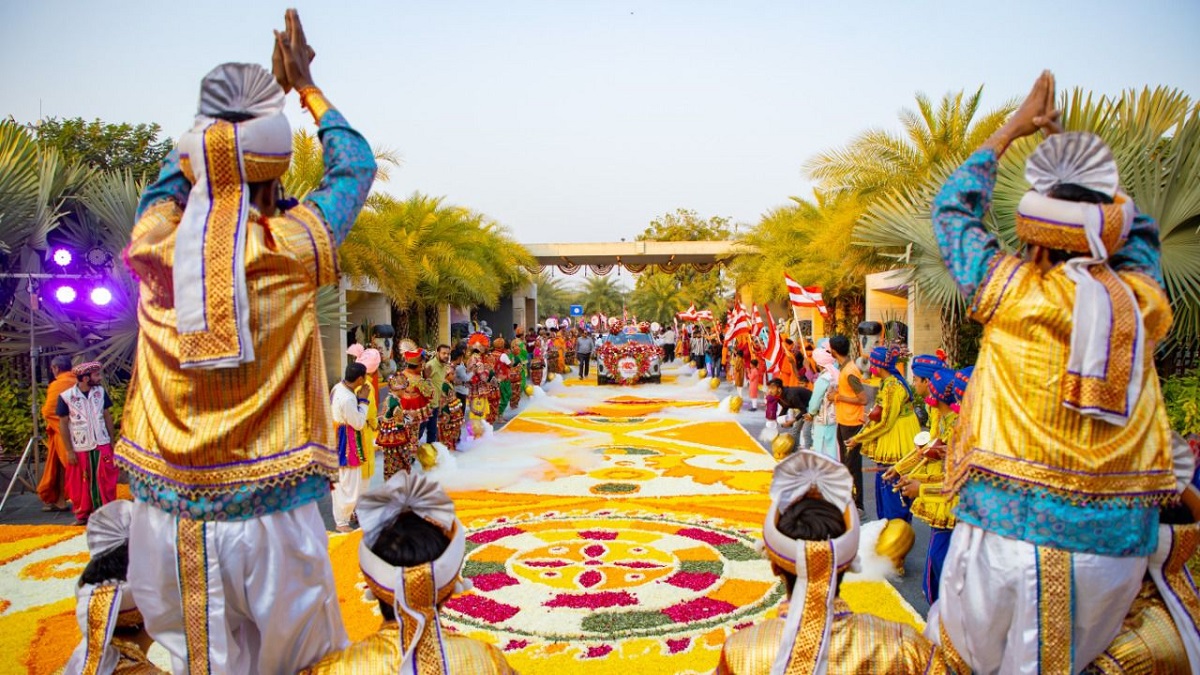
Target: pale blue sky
<point x="581" y="121"/>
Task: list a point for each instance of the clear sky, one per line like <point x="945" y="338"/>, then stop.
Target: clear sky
<point x="582" y="121"/>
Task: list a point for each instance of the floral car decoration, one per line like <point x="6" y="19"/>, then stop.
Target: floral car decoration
<point x="626" y="361"/>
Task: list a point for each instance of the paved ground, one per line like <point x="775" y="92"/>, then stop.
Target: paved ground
<point x="24" y="508"/>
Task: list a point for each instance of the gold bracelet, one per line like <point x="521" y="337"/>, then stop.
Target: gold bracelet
<point x="313" y="100"/>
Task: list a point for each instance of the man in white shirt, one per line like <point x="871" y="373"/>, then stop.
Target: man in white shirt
<point x="349" y="401"/>
<point x="668" y="345"/>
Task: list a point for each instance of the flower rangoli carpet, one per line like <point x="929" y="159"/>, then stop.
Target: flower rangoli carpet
<point x="612" y="530"/>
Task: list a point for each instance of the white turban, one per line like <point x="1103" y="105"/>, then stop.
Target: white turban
<point x="240" y="137"/>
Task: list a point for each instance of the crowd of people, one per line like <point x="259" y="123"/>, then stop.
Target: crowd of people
<point x="1064" y="513"/>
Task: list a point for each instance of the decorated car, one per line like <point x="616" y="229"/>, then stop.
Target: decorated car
<point x="628" y="357"/>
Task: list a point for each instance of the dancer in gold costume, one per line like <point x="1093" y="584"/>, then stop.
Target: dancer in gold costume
<point x="227" y="434"/>
<point x="115" y="640"/>
<point x="811" y="537"/>
<point x="1062" y="457"/>
<point x="411" y="555"/>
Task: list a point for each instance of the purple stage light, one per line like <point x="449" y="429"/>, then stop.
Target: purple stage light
<point x="65" y="295"/>
<point x="63" y="257"/>
<point x="101" y="296"/>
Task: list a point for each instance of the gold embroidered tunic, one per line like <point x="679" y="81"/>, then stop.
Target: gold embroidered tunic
<point x="232" y="443"/>
<point x="380" y="653"/>
<point x="1024" y="465"/>
<point x="860" y="644"/>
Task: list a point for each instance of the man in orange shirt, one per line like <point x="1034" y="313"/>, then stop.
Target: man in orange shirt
<point x="850" y="400"/>
<point x="788" y="370"/>
<point x="52" y="488"/>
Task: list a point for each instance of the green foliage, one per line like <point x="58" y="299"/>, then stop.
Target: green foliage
<point x="1182" y="396"/>
<point x="554" y="297"/>
<point x="106" y="147"/>
<point x="601" y="294"/>
<point x="707" y="290"/>
<point x="658" y="297"/>
<point x="14" y="409"/>
<point x="878" y="162"/>
<point x="15" y="423"/>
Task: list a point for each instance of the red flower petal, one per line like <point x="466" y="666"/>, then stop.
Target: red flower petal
<point x="698" y="610"/>
<point x="482" y="608"/>
<point x="676" y="646"/>
<point x="594" y="550"/>
<point x="639" y="564"/>
<point x="488" y="536"/>
<point x="490" y="582"/>
<point x="696" y="581"/>
<point x="706" y="536"/>
<point x="594" y="600"/>
<point x="590" y="578"/>
<point x="600" y="535"/>
<point x="598" y="651"/>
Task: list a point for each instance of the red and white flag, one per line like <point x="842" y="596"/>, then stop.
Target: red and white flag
<point x="756" y="322"/>
<point x="801" y="296"/>
<point x="773" y="351"/>
<point x="739" y="325"/>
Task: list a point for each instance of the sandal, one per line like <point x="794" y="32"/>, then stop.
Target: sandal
<point x="51" y="508"/>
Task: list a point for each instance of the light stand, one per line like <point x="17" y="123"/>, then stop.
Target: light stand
<point x="30" y="480"/>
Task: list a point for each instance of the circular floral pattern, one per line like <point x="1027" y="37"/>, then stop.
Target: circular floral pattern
<point x="566" y="577"/>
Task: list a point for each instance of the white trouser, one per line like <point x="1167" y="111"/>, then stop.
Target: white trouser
<point x="346" y="493"/>
<point x="993" y="588"/>
<point x="246" y="596"/>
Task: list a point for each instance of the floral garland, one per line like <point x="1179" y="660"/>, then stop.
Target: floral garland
<point x="611" y="356"/>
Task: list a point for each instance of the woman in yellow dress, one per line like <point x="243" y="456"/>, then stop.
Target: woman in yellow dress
<point x="890" y="429"/>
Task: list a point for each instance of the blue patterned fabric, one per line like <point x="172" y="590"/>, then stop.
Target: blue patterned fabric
<point x="889" y="503"/>
<point x="935" y="560"/>
<point x="349" y="171"/>
<point x="926" y="365"/>
<point x="969" y="248"/>
<point x="242" y="505"/>
<point x="1044" y="519"/>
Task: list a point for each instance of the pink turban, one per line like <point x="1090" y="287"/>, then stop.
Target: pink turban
<point x="371" y="359"/>
<point x="824" y="359"/>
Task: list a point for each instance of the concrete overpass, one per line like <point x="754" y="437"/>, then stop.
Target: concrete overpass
<point x="635" y="256"/>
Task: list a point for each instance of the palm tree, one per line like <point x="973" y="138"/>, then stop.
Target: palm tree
<point x="657" y="297"/>
<point x="601" y="294"/>
<point x="879" y="162"/>
<point x="810" y="241"/>
<point x="37" y="186"/>
<point x="554" y="298"/>
<point x="1155" y="137"/>
<point x="424" y="254"/>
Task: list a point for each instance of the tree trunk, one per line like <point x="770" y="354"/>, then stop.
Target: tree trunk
<point x="951" y="334"/>
<point x="402" y="320"/>
<point x="432" y="324"/>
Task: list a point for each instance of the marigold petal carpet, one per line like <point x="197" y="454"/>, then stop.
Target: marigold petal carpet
<point x="612" y="530"/>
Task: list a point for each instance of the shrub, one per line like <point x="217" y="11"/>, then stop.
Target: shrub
<point x="1182" y="396"/>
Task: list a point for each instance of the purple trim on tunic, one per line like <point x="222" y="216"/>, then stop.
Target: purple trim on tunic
<point x="285" y="453"/>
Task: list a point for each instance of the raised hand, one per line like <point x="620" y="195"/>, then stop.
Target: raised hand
<point x="292" y="54"/>
<point x="1035" y="112"/>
